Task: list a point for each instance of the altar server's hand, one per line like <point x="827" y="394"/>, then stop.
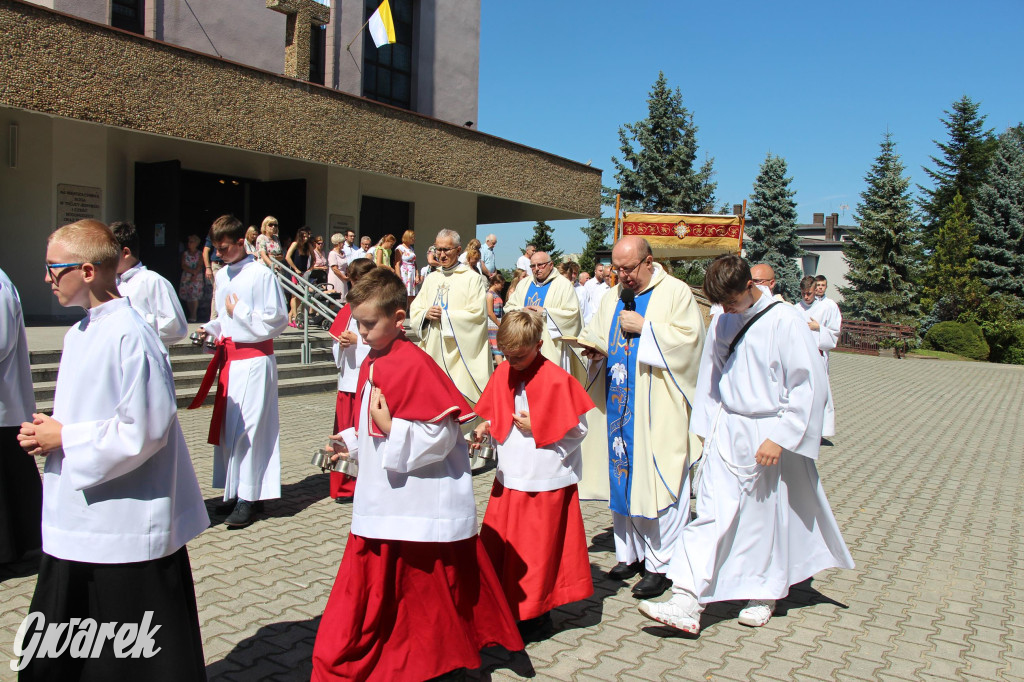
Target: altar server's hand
<point x="379" y="411"/>
<point x="337" y="444"/>
<point x="522" y="420"/>
<point x="631" y="321"/>
<point x="479" y="433"/>
<point x="347" y="339"/>
<point x="813" y="324"/>
<point x="434" y="312"/>
<point x="41" y="435"/>
<point x="230" y="301"/>
<point x="768" y="454"/>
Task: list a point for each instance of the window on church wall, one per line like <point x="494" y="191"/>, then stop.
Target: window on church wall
<point x="128" y="15"/>
<point x="318" y="54"/>
<point x="387" y="70"/>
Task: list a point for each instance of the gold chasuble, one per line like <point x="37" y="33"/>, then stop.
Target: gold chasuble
<point x="558" y="298"/>
<point x="668" y="355"/>
<point x="458" y="341"/>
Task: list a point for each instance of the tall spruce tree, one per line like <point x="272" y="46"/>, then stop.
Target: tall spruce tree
<point x="1000" y="218"/>
<point x="658" y="171"/>
<point x="544" y="239"/>
<point x="771" y="236"/>
<point x="881" y="256"/>
<point x="950" y="285"/>
<point x="597" y="231"/>
<point x="962" y="167"/>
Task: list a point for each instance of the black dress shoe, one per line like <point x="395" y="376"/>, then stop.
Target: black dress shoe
<point x="534" y="628"/>
<point x="652" y="585"/>
<point x="624" y="571"/>
<point x="242" y="516"/>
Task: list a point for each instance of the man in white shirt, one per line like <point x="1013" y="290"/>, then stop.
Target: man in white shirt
<point x="524" y="261"/>
<point x="594" y="290"/>
<point x="364" y="250"/>
<point x="149" y="293"/>
<point x="349" y="246"/>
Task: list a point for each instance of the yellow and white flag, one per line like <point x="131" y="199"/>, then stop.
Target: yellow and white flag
<point x="382" y="28"/>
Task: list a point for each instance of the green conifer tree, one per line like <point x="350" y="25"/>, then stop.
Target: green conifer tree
<point x="544" y="239"/>
<point x="881" y="256"/>
<point x="1000" y="218"/>
<point x="770" y="236"/>
<point x="658" y="171"/>
<point x="597" y="231"/>
<point x="962" y="168"/>
<point x="950" y="285"/>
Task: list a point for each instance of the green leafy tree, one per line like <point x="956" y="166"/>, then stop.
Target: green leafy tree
<point x="950" y="285"/>
<point x="962" y="166"/>
<point x="544" y="239"/>
<point x="881" y="256"/>
<point x="1000" y="218"/>
<point x="770" y="236"/>
<point x="658" y="171"/>
<point x="596" y="231"/>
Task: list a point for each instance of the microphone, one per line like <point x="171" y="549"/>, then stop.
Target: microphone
<point x="628" y="299"/>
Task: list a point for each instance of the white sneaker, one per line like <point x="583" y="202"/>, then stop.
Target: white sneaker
<point x="677" y="612"/>
<point x="757" y="612"/>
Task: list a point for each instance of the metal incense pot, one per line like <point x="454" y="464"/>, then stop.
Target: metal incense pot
<point x="344" y="464"/>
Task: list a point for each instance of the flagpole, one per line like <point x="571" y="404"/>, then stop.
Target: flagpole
<point x="365" y="24"/>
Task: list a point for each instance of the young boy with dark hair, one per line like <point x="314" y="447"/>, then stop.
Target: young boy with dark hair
<point x="533" y="528"/>
<point x="152" y="296"/>
<point x="415" y="596"/>
<point x="120" y="497"/>
<point x="349" y="352"/>
<point x="763" y="522"/>
<point x="244" y="428"/>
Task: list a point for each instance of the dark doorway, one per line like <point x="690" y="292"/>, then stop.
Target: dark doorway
<point x="171" y="203"/>
<point x="378" y="217"/>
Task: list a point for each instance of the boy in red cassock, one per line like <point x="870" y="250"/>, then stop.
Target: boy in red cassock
<point x="533" y="528"/>
<point x="416" y="595"/>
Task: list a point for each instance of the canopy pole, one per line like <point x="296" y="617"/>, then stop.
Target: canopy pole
<point x="615" y="237"/>
<point x="743" y="220"/>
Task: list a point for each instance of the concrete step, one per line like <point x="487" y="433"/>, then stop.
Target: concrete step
<point x="190" y="380"/>
<point x="198" y="360"/>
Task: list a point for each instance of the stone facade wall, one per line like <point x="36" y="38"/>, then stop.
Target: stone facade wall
<point x="59" y="65"/>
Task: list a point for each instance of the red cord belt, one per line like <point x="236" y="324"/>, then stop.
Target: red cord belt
<point x="220" y="364"/>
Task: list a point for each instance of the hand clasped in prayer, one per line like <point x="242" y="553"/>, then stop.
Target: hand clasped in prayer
<point x="379" y="411"/>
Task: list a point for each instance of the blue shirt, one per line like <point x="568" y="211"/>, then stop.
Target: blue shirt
<point x="487" y="258"/>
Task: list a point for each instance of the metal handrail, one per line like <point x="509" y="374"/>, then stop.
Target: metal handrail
<point x="311" y="297"/>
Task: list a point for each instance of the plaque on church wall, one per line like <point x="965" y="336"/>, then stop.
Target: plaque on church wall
<point x="75" y="202"/>
<point x="340" y="223"/>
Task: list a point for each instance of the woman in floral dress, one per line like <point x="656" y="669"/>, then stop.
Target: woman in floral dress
<point x="192" y="282"/>
<point x="406" y="267"/>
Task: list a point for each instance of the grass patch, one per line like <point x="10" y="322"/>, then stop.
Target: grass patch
<point x="940" y="354"/>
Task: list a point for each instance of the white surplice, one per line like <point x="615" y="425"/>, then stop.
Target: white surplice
<point x="17" y="399"/>
<point x="758" y="529"/>
<point x="122" y="489"/>
<point x="156" y="301"/>
<point x="414" y="484"/>
<point x="349" y="359"/>
<point x="595" y="291"/>
<point x="247" y="463"/>
<point x="829" y="320"/>
<point x="524" y="466"/>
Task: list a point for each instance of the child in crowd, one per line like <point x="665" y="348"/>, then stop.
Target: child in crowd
<point x="349" y="352"/>
<point x="533" y="528"/>
<point x="763" y="522"/>
<point x="120" y="497"/>
<point x="415" y="596"/>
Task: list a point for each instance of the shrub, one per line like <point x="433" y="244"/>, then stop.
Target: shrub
<point x="964" y="339"/>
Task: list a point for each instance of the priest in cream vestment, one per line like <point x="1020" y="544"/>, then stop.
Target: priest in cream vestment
<point x="639" y="448"/>
<point x="449" y="316"/>
<point x="549" y="293"/>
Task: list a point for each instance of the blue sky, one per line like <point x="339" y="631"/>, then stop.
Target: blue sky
<point x="817" y="83"/>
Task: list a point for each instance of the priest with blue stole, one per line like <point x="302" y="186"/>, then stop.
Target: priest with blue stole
<point x="553" y="296"/>
<point x="645" y="342"/>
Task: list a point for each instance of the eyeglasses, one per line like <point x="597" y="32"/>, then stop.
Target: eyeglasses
<point x="623" y="271"/>
<point x="51" y="266"/>
<point x="763" y="281"/>
<point x="445" y="249"/>
<point x="534" y="266"/>
<point x="271" y="224"/>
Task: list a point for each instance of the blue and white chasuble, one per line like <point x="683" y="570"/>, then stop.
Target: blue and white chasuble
<point x="537" y="293"/>
<point x="620" y="397"/>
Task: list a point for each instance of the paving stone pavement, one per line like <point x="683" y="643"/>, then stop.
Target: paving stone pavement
<point x="925" y="480"/>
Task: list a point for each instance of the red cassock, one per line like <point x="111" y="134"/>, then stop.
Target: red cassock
<point x="403" y="610"/>
<point x="346" y="409"/>
<point x="536" y="540"/>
